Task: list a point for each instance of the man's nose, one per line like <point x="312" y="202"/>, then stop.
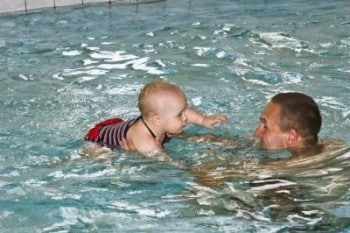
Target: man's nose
<point x="258" y="132"/>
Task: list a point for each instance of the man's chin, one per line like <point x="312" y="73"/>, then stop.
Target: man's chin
<point x="266" y="146"/>
<point x="259" y="144"/>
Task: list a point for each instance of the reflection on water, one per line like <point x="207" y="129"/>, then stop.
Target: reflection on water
<point x="305" y="193"/>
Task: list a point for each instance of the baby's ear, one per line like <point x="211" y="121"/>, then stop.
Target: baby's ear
<point x="156" y="118"/>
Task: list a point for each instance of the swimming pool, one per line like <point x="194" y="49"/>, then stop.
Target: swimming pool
<point x="62" y="70"/>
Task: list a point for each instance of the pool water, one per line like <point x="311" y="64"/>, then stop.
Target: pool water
<point x="63" y="69"/>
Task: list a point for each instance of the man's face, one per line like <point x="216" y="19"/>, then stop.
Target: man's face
<point x="268" y="130"/>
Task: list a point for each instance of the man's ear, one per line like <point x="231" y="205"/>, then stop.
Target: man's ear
<point x="293" y="137"/>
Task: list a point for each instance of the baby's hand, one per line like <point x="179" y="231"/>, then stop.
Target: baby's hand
<point x="210" y="121"/>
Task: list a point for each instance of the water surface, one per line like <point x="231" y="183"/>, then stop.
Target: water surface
<point x="62" y="70"/>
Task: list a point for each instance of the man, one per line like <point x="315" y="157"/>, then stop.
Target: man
<point x="290" y="121"/>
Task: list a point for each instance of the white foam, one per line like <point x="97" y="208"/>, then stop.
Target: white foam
<point x="282" y="40"/>
<point x="200" y="65"/>
<point x="196" y="101"/>
<point x="87" y="62"/>
<point x="107" y="43"/>
<point x="86" y="79"/>
<point x="70" y="216"/>
<point x="202" y="50"/>
<point x="206" y="212"/>
<point x="220" y="54"/>
<point x="334" y="169"/>
<point x="345" y="42"/>
<point x="200" y="37"/>
<point x="326" y="45"/>
<point x="96" y="72"/>
<point x="22" y="76"/>
<point x="256" y="82"/>
<point x="57" y="76"/>
<point x="116" y="56"/>
<point x="88" y="70"/>
<point x="3" y="183"/>
<point x="5" y="214"/>
<point x="279" y="40"/>
<point x="140" y="210"/>
<point x="55" y="195"/>
<point x="149" y="50"/>
<point x="258" y="216"/>
<point x="124" y="89"/>
<point x="105" y="172"/>
<point x="332" y="102"/>
<point x="291" y="78"/>
<point x="71" y="53"/>
<point x="141" y="64"/>
<point x="115" y="66"/>
<point x="241" y="67"/>
<point x="277" y="183"/>
<point x="345" y="156"/>
<point x="161" y="63"/>
<point x="93" y="48"/>
<point x="34" y="183"/>
<point x="152" y="213"/>
<point x="226" y="28"/>
<point x="295" y="218"/>
<point x="16" y="192"/>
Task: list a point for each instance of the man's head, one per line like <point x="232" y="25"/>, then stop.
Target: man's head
<point x="164" y="103"/>
<point x="289" y="120"/>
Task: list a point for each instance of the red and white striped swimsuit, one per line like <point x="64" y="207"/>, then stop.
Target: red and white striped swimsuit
<point x="112" y="131"/>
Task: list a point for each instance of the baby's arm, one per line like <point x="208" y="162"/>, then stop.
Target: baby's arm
<point x="197" y="118"/>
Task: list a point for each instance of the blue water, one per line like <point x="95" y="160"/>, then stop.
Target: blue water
<point x="63" y="69"/>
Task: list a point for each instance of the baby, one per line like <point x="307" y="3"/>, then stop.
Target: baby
<point x="164" y="113"/>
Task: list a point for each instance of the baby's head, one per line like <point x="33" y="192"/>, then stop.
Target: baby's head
<point x="160" y="97"/>
<point x="166" y="101"/>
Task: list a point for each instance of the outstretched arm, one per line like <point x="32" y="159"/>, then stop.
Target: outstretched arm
<point x="197" y="118"/>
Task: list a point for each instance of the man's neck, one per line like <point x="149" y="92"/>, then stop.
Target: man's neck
<point x="306" y="150"/>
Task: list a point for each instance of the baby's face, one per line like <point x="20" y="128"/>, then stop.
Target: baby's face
<point x="173" y="113"/>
